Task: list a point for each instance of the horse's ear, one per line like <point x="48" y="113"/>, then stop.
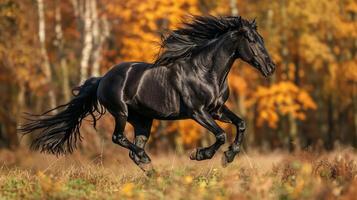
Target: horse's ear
<point x="240" y="21"/>
<point x="254" y="24"/>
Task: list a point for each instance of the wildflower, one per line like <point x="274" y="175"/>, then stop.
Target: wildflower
<point x="127" y="189"/>
<point x="48" y="185"/>
<point x="188" y="179"/>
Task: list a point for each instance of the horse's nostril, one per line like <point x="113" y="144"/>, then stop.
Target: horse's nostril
<point x="271" y="68"/>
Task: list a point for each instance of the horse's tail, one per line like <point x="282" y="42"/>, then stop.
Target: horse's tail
<point x="60" y="132"/>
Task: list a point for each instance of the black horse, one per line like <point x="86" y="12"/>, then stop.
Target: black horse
<point x="188" y="80"/>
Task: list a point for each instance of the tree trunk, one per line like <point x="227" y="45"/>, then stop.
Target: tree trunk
<point x="88" y="41"/>
<point x="100" y="33"/>
<point x="234" y="7"/>
<point x="9" y="115"/>
<point x="330" y="124"/>
<point x="293" y="139"/>
<point x="270" y="15"/>
<point x="354" y="91"/>
<point x="61" y="55"/>
<point x="46" y="64"/>
<point x="354" y="100"/>
<point x="295" y="123"/>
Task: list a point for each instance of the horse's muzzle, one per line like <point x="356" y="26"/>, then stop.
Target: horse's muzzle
<point x="270" y="68"/>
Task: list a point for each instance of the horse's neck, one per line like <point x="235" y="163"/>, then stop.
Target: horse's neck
<point x="223" y="58"/>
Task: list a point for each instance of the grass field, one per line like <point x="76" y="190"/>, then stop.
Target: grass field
<point x="252" y="176"/>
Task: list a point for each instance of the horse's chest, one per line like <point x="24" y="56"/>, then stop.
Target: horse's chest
<point x="198" y="91"/>
<point x="219" y="99"/>
<point x="211" y="96"/>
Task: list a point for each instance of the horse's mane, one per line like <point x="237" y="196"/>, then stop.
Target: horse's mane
<point x="181" y="42"/>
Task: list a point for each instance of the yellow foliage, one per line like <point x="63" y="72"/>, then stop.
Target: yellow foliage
<point x="237" y="83"/>
<point x="281" y="99"/>
<point x="350" y="72"/>
<point x="315" y="51"/>
<point x="189" y="131"/>
<point x="142" y="22"/>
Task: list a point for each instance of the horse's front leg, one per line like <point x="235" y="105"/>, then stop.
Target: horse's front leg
<point x="206" y="120"/>
<point x="234" y="148"/>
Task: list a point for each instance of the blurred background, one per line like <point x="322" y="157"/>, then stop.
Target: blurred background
<point x="48" y="47"/>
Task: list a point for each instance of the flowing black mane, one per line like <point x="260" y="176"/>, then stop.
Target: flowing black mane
<point x="192" y="35"/>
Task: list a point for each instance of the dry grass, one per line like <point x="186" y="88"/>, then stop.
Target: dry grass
<point x="257" y="176"/>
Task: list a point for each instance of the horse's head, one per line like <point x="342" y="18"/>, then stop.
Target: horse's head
<point x="252" y="50"/>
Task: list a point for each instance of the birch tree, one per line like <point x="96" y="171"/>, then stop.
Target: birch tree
<point x="59" y="42"/>
<point x="46" y="63"/>
<point x="234" y="7"/>
<point x="87" y="41"/>
<point x="95" y="31"/>
<point x="100" y="34"/>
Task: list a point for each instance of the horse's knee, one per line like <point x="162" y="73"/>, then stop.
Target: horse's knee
<point x="120" y="139"/>
<point x="221" y="138"/>
<point x="140" y="141"/>
<point x="115" y="139"/>
<point x="241" y="126"/>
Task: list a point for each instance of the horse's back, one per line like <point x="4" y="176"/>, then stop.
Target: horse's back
<point x="142" y="88"/>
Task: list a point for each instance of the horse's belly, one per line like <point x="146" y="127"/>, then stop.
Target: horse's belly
<point x="158" y="103"/>
<point x="158" y="109"/>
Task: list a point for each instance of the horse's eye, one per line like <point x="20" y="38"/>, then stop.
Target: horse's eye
<point x="250" y="37"/>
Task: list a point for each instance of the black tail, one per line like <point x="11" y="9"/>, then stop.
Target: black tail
<point x="60" y="132"/>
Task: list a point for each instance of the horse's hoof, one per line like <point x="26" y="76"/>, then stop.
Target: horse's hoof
<point x="146" y="167"/>
<point x="224" y="160"/>
<point x="193" y="154"/>
<point x="197" y="154"/>
<point x="134" y="158"/>
<point x="151" y="173"/>
<point x="149" y="170"/>
<point x="228" y="157"/>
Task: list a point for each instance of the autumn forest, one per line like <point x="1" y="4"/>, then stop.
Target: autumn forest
<point x="47" y="47"/>
<point x="301" y="122"/>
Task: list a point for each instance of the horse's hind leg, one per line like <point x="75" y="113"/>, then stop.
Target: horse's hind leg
<point x="119" y="138"/>
<point x="142" y="127"/>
